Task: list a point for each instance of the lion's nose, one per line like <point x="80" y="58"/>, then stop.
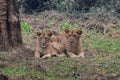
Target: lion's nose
<point x="71" y="41"/>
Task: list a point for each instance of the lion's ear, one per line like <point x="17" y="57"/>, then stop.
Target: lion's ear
<point x="67" y="31"/>
<point x="79" y="32"/>
<point x="38" y="33"/>
<point x="50" y="33"/>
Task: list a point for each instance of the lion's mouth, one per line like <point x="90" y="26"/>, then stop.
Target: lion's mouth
<point x="71" y="44"/>
<point x="43" y="45"/>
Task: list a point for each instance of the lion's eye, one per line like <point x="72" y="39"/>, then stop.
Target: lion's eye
<point x="74" y="35"/>
<point x="69" y="35"/>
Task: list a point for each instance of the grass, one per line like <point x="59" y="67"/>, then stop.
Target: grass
<point x="16" y="71"/>
<point x="64" y="68"/>
<point x="67" y="69"/>
<point x="54" y="72"/>
<point x="25" y="27"/>
<point x="65" y="25"/>
<point x="102" y="43"/>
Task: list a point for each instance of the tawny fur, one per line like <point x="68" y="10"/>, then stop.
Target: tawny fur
<point x="69" y="43"/>
<point x="57" y="49"/>
<point x="43" y="45"/>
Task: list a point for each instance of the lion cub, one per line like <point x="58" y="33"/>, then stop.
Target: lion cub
<point x="70" y="40"/>
<point x="73" y="43"/>
<point x="43" y="45"/>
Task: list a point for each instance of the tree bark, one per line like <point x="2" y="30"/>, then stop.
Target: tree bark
<point x="10" y="31"/>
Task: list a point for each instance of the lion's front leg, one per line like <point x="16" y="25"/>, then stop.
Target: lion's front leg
<point x="71" y="54"/>
<point x="80" y="50"/>
<point x="37" y="55"/>
<point x="82" y="54"/>
<point x="46" y="56"/>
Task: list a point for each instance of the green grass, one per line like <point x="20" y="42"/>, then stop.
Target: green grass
<point x="61" y="71"/>
<point x="25" y="27"/>
<point x="102" y="43"/>
<point x="16" y="71"/>
<point x="64" y="69"/>
<point x="65" y="25"/>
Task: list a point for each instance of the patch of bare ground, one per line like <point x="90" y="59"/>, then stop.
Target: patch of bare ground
<point x="52" y="20"/>
<point x="101" y="22"/>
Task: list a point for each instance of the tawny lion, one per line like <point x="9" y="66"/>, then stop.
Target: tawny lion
<point x="69" y="43"/>
<point x="43" y="45"/>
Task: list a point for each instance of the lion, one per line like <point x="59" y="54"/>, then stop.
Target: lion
<point x="43" y="45"/>
<point x="69" y="43"/>
<point x="45" y="48"/>
<point x="73" y="43"/>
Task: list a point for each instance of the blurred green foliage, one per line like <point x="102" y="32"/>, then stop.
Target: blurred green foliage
<point x="25" y="27"/>
<point x="65" y="25"/>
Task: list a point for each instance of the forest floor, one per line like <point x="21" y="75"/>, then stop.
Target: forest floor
<point x="102" y="50"/>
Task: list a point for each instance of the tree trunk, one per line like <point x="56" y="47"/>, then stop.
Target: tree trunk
<point x="10" y="31"/>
